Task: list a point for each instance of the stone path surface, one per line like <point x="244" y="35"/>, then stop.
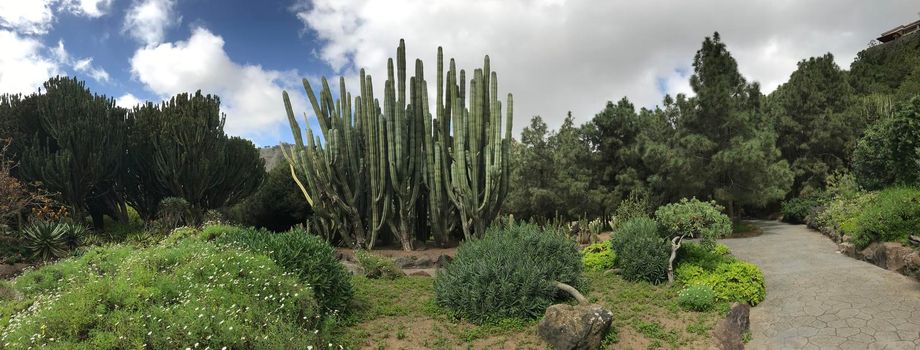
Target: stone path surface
<point x="820" y="299"/>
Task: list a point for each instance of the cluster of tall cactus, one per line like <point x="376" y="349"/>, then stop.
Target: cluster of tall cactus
<point x="398" y="169"/>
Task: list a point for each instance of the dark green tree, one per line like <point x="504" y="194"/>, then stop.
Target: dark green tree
<point x="277" y="205"/>
<point x="79" y="148"/>
<point x="614" y="134"/>
<point x="889" y="153"/>
<point x="728" y="147"/>
<point x="816" y="121"/>
<point x="179" y="149"/>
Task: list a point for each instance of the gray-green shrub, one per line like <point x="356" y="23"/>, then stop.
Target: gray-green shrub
<point x="641" y="252"/>
<point x="508" y="274"/>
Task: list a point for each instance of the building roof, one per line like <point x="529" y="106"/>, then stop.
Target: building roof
<point x="899" y="31"/>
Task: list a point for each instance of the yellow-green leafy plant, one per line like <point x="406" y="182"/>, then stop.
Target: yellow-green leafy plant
<point x="598" y="256"/>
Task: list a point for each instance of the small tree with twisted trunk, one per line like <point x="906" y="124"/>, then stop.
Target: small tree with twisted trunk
<point x="691" y="218"/>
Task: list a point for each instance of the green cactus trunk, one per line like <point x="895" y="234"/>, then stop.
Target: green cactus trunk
<point x="370" y="168"/>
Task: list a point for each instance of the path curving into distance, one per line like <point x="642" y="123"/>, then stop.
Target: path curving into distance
<point x="820" y="299"/>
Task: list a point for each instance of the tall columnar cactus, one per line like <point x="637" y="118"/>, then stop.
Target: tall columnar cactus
<point x="404" y="136"/>
<point x="371" y="167"/>
<point x="480" y="171"/>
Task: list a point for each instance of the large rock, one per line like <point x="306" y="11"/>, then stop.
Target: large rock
<point x="728" y="331"/>
<point x="847" y="248"/>
<point x="413" y="262"/>
<point x="575" y="327"/>
<point x="903" y="260"/>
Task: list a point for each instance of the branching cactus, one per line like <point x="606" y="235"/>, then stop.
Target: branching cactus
<point x="371" y="167"/>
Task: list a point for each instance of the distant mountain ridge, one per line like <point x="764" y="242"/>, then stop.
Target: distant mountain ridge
<point x="271" y="155"/>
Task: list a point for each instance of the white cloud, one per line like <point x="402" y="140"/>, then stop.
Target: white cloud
<point x="82" y="65"/>
<point x="250" y="95"/>
<point x="23" y="67"/>
<point x="147" y="20"/>
<point x="88" y="8"/>
<point x="26" y="16"/>
<point x="86" y="66"/>
<point x="557" y="56"/>
<point x="128" y="101"/>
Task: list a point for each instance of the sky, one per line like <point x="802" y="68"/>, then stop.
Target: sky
<point x="553" y="55"/>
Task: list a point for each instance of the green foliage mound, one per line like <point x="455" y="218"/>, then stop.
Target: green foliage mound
<point x="508" y="274"/>
<point x="893" y="216"/>
<point x="642" y="253"/>
<point x="797" y="209"/>
<point x="189" y="295"/>
<point x="696" y="298"/>
<point x="307" y="256"/>
<point x="729" y="278"/>
<point x="376" y="266"/>
<point x="598" y="257"/>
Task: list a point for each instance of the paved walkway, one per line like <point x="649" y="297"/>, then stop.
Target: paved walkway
<point x="820" y="299"/>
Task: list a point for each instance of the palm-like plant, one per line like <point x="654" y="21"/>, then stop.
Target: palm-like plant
<point x="47" y="239"/>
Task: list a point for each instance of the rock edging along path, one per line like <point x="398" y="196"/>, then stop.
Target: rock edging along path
<point x="820" y="299"/>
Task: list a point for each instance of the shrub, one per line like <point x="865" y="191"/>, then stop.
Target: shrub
<point x="721" y="249"/>
<point x="376" y="266"/>
<point x="174" y="212"/>
<point x="598" y="257"/>
<point x="51" y="239"/>
<point x="696" y="298"/>
<point x="844" y="208"/>
<point x="193" y="294"/>
<point x="797" y="209"/>
<point x="893" y="216"/>
<point x="702" y="256"/>
<point x="635" y="206"/>
<point x="641" y="252"/>
<point x="731" y="281"/>
<point x="307" y="256"/>
<point x="277" y="205"/>
<point x="508" y="274"/>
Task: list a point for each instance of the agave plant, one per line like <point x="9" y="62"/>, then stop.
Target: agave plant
<point x="47" y="239"/>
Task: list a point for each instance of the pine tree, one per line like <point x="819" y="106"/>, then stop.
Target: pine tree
<point x="816" y="122"/>
<point x="730" y="150"/>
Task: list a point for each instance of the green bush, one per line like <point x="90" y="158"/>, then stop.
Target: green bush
<point x="701" y="255"/>
<point x="508" y="274"/>
<point x="376" y="266"/>
<point x="730" y="280"/>
<point x="636" y="205"/>
<point x="696" y="298"/>
<point x="277" y="205"/>
<point x="693" y="218"/>
<point x="844" y="208"/>
<point x="47" y="239"/>
<point x="189" y="295"/>
<point x="307" y="256"/>
<point x="795" y="210"/>
<point x="641" y="252"/>
<point x="893" y="216"/>
<point x="598" y="257"/>
<point x="721" y="249"/>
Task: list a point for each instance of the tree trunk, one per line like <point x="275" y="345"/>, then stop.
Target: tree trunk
<point x="675" y="245"/>
<point x="572" y="291"/>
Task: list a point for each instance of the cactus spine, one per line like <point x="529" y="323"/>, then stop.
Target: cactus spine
<point x="370" y="168"/>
